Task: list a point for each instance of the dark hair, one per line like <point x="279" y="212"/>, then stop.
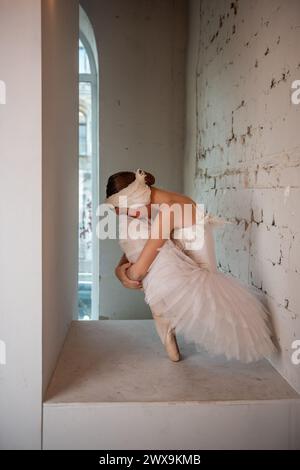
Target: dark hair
<point x="122" y="179"/>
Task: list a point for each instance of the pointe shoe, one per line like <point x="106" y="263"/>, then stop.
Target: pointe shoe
<point x="171" y="346"/>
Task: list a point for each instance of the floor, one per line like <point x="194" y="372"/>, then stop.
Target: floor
<point x="124" y="361"/>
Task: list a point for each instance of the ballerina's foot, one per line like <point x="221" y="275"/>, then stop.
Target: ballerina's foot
<point x="171" y="347"/>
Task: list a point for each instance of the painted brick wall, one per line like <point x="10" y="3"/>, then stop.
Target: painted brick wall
<point x="242" y="153"/>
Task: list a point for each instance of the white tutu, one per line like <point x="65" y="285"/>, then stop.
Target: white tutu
<point x="209" y="308"/>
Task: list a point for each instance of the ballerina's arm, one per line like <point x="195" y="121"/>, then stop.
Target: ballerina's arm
<point x="139" y="269"/>
<point x="162" y="226"/>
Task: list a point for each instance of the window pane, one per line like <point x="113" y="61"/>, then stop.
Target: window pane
<point x="84" y="63"/>
<point x="85" y="200"/>
<point x="85" y="118"/>
<point x="83" y="135"/>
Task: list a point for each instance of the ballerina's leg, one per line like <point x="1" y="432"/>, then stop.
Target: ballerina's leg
<point x="162" y="325"/>
<point x="167" y="335"/>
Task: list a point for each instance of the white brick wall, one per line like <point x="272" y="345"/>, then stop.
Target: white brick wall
<point x="242" y="153"/>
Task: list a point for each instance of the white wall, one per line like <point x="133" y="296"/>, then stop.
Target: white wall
<point x="141" y="48"/>
<point x="38" y="204"/>
<point x="242" y="152"/>
<point x="20" y="231"/>
<point x="60" y="26"/>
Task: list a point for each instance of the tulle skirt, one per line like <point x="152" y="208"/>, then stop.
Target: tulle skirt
<point x="209" y="308"/>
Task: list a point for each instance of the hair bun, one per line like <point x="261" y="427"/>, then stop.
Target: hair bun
<point x="149" y="179"/>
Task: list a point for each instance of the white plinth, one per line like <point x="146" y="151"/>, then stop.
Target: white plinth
<point x="115" y="388"/>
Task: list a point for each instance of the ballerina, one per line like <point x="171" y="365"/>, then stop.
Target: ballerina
<point x="183" y="287"/>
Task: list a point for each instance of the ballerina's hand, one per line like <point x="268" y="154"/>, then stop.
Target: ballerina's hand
<point x="134" y="273"/>
<point x="125" y="280"/>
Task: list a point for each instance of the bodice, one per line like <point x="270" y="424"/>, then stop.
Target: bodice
<point x="133" y="241"/>
<point x="135" y="233"/>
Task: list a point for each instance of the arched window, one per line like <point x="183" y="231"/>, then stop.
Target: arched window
<point x="88" y="263"/>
